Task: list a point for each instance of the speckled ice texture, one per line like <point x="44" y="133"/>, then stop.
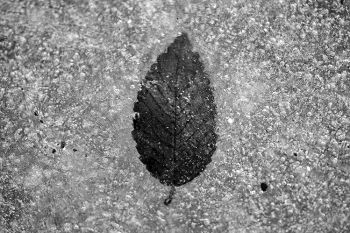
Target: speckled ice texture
<point x="69" y="76"/>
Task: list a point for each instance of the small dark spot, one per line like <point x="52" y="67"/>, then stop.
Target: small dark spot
<point x="85" y="155"/>
<point x="263" y="186"/>
<point x="2" y="38"/>
<point x="295" y="154"/>
<point x="36" y="113"/>
<point x="342" y="2"/>
<point x="63" y="144"/>
<point x="41" y="121"/>
<point x="53" y="151"/>
<point x="167" y="201"/>
<point x="75" y="150"/>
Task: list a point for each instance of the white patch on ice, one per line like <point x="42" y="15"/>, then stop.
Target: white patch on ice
<point x="230" y="120"/>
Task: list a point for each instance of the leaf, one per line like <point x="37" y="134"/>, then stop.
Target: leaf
<point x="174" y="124"/>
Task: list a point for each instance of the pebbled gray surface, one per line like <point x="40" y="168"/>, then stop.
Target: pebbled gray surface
<point x="70" y="72"/>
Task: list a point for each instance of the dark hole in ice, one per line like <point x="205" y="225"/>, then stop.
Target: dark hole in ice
<point x="295" y="154"/>
<point x="63" y="144"/>
<point x="36" y="113"/>
<point x="263" y="186"/>
<point x="53" y="151"/>
<point x="75" y="150"/>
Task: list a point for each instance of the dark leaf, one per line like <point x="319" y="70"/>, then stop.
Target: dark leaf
<point x="174" y="126"/>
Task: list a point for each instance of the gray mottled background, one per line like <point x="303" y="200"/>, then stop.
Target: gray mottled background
<point x="69" y="75"/>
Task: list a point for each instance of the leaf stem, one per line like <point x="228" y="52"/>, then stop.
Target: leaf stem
<point x="168" y="200"/>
